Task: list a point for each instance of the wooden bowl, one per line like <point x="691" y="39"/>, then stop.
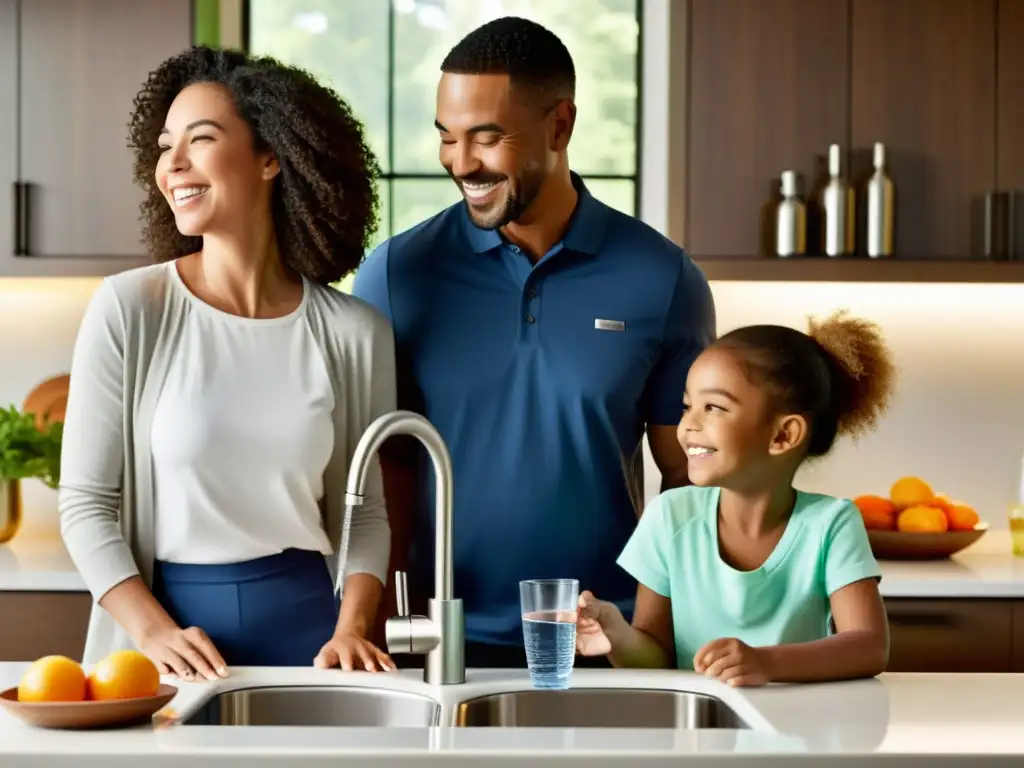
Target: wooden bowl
<point x="897" y="545"/>
<point x="87" y="714"/>
<point x="49" y="400"/>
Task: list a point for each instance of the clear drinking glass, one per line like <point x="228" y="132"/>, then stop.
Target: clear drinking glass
<point x="549" y="629"/>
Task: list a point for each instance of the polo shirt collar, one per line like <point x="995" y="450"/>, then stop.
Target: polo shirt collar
<point x="585" y="233"/>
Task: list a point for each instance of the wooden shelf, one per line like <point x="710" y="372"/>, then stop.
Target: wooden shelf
<point x="861" y="270"/>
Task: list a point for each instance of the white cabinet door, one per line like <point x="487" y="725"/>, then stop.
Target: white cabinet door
<point x="8" y="126"/>
<point x="81" y="63"/>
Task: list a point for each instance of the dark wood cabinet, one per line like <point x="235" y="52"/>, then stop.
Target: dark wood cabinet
<point x="35" y="624"/>
<point x="923" y="82"/>
<point x="768" y="92"/>
<point x="69" y="71"/>
<point x="1010" y="109"/>
<point x="955" y="635"/>
<point x="771" y="83"/>
<point x="1018" y="636"/>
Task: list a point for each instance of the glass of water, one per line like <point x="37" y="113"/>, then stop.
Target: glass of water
<point x="549" y="629"/>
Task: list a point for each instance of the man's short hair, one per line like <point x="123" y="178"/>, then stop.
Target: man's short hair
<point x="531" y="55"/>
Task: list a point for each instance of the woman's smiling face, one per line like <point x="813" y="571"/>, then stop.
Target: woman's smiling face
<point x="208" y="170"/>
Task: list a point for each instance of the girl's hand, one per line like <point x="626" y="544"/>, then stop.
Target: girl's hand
<point x="351" y="651"/>
<point x="596" y="625"/>
<point x="732" y="661"/>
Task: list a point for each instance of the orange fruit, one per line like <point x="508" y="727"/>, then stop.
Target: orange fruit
<point x="910" y="492"/>
<point x="962" y="517"/>
<point x="941" y="501"/>
<point x="922" y="519"/>
<point x="877" y="512"/>
<point x="878" y="522"/>
<point x="123" y="675"/>
<point x="52" y="678"/>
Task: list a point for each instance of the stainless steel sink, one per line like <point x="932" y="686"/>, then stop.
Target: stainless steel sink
<point x="597" y="708"/>
<point x="316" y="705"/>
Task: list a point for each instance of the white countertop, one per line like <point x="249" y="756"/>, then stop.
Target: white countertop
<point x="986" y="569"/>
<point x="36" y="560"/>
<point x="884" y="719"/>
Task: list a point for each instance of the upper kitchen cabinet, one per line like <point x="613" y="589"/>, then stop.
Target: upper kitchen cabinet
<point x="1010" y="112"/>
<point x="8" y="128"/>
<point x="71" y="69"/>
<point x="768" y="91"/>
<point x="923" y="82"/>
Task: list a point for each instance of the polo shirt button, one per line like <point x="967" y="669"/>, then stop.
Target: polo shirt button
<point x="530" y="319"/>
<point x="515" y="249"/>
<point x="532" y="294"/>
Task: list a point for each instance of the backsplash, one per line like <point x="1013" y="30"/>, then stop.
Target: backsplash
<point x="39" y="320"/>
<point x="957" y="421"/>
<point x="958" y="416"/>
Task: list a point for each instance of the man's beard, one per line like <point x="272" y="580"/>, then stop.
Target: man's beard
<point x="519" y="196"/>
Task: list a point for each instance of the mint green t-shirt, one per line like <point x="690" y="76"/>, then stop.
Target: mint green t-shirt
<point x="674" y="552"/>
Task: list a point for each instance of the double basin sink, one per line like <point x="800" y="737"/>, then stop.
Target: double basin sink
<point x="373" y="707"/>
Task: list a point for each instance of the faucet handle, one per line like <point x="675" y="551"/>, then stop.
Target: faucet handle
<point x="402" y="593"/>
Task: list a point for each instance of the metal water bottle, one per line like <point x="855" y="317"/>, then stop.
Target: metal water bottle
<point x="790" y="220"/>
<point x="881" y="196"/>
<point x="838" y="208"/>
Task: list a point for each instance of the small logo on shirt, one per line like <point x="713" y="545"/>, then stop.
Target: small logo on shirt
<point x="609" y="325"/>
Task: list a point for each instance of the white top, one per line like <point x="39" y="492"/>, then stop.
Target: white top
<point x="241" y="437"/>
<point x="126" y="347"/>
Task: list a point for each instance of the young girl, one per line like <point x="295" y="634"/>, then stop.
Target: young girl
<point x="742" y="577"/>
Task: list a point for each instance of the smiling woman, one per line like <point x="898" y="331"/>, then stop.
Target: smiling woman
<point x="217" y="397"/>
<point x="202" y="154"/>
<point x="282" y="115"/>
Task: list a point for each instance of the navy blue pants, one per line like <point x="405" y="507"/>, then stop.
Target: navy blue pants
<point x="275" y="611"/>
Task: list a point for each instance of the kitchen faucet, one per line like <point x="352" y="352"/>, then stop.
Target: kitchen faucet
<point x="441" y="636"/>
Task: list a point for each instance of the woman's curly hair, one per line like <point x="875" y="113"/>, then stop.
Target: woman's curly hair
<point x="324" y="201"/>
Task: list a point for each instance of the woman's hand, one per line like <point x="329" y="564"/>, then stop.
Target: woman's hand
<point x="175" y="651"/>
<point x="733" y="662"/>
<point x="184" y="653"/>
<point x="351" y="651"/>
<point x="597" y="624"/>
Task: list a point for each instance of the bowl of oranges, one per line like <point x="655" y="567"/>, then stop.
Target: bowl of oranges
<point x="55" y="692"/>
<point x="915" y="523"/>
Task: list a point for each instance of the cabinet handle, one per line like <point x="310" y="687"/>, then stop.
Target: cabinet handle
<point x="23" y="222"/>
<point x="16" y="229"/>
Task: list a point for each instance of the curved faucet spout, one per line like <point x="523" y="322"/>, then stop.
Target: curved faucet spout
<point x="442" y="636"/>
<point x="409" y="423"/>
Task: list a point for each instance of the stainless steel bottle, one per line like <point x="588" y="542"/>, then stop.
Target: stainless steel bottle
<point x="881" y="197"/>
<point x="837" y="208"/>
<point x="790" y="220"/>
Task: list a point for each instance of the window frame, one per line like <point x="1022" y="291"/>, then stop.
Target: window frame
<point x="388" y="178"/>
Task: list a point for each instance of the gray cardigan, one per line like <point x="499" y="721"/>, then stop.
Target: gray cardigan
<point x="123" y="350"/>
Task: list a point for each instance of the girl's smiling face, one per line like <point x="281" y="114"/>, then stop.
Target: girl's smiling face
<point x="729" y="430"/>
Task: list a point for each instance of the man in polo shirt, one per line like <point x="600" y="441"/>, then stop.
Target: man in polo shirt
<point x="542" y="333"/>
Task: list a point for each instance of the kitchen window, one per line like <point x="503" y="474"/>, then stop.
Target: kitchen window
<point x="384" y="58"/>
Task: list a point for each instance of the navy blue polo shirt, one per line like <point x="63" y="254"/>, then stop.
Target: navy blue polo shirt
<point x="541" y="378"/>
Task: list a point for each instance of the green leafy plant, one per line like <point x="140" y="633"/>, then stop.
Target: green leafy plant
<point x="27" y="451"/>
